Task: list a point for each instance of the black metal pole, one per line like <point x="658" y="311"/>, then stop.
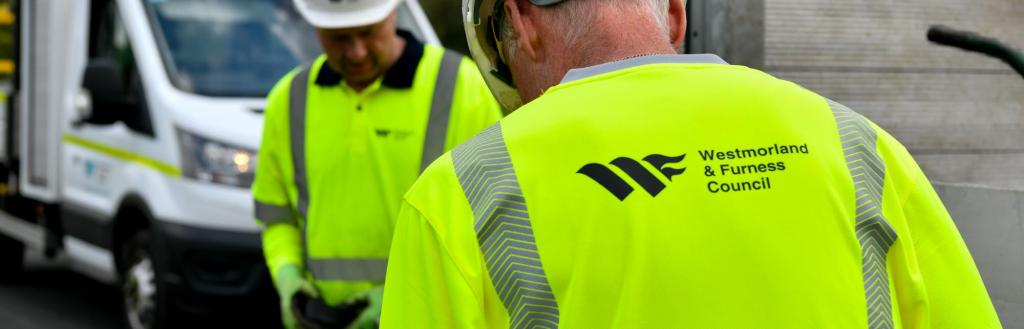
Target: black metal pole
<point x="971" y="41"/>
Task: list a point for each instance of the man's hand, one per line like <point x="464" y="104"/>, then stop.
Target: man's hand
<point x="290" y="281"/>
<point x="370" y="315"/>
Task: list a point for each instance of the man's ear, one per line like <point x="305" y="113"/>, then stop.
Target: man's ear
<point x="522" y="19"/>
<point x="677" y="22"/>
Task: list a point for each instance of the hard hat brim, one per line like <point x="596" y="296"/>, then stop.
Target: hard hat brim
<point x="339" y="20"/>
<point x="486" y="57"/>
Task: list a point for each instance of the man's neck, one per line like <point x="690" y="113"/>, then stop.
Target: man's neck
<point x="612" y="35"/>
<point x="616" y="43"/>
<point x="615" y="37"/>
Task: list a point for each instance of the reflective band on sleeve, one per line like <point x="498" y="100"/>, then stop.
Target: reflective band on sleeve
<point x="440" y="108"/>
<point x="348" y="269"/>
<point x="873" y="231"/>
<point x="503" y="229"/>
<point x="297" y="129"/>
<point x="273" y="214"/>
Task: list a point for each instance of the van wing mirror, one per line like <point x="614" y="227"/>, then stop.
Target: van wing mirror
<point x="105" y="90"/>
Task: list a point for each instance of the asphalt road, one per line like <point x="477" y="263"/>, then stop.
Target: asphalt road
<point x="51" y="296"/>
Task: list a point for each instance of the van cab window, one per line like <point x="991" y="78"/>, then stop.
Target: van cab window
<point x="230" y="48"/>
<point x="109" y="39"/>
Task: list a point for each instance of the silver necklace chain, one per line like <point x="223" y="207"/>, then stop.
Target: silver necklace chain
<point x="636" y="56"/>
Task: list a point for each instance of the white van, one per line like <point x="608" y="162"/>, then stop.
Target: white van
<point x="129" y="144"/>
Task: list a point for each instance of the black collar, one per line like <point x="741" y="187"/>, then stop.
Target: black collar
<point x="400" y="75"/>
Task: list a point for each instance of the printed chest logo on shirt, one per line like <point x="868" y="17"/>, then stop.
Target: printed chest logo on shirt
<point x="636" y="171"/>
<point x="392" y="133"/>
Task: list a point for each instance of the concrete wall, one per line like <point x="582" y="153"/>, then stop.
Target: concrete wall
<point x="734" y="30"/>
<point x="992" y="223"/>
<point x="961" y="114"/>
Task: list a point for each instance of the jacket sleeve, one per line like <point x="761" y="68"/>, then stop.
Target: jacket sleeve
<point x="282" y="245"/>
<point x="270" y="188"/>
<point x="424" y="286"/>
<point x="955" y="294"/>
<point x="473" y="107"/>
<point x="938" y="281"/>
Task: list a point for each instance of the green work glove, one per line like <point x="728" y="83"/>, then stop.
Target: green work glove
<point x="371" y="314"/>
<point x="289" y="282"/>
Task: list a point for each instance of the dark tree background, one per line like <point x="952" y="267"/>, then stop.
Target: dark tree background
<point x="446" y="18"/>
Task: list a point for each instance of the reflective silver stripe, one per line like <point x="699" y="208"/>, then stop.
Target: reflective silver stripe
<point x="348" y="269"/>
<point x="273" y="214"/>
<point x="297" y="129"/>
<point x="440" y="108"/>
<point x="875" y="235"/>
<point x="502" y="224"/>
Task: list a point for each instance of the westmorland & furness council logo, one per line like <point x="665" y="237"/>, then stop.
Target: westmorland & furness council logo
<point x="636" y="171"/>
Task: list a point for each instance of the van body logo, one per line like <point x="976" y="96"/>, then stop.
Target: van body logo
<point x="636" y="171"/>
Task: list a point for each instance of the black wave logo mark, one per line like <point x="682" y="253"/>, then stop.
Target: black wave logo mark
<point x="659" y="161"/>
<point x="636" y="171"/>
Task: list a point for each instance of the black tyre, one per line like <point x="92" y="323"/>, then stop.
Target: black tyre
<point x="12" y="258"/>
<point x="145" y="305"/>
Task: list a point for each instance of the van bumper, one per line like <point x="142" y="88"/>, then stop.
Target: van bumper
<point x="205" y="271"/>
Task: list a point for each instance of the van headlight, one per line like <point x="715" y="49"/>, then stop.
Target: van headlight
<point x="210" y="161"/>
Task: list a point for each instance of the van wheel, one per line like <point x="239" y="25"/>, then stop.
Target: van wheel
<point x="143" y="307"/>
<point x="12" y="258"/>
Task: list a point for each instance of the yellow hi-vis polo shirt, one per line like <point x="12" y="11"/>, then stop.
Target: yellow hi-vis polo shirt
<point x="679" y="192"/>
<point x="334" y="163"/>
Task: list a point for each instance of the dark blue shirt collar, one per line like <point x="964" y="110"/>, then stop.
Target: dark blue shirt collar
<point x="400" y="75"/>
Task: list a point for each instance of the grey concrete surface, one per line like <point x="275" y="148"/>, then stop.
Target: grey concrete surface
<point x="1000" y="170"/>
<point x="948" y="105"/>
<point x="991" y="221"/>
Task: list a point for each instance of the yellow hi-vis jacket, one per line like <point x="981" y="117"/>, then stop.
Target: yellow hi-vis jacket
<point x="679" y="192"/>
<point x="334" y="163"/>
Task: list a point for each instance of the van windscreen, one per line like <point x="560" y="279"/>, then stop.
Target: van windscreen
<point x="230" y="48"/>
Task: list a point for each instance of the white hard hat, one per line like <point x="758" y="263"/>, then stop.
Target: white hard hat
<point x="482" y="20"/>
<point x="339" y="14"/>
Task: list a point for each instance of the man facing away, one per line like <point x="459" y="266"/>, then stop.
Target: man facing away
<point x="638" y="188"/>
<point x="343" y="139"/>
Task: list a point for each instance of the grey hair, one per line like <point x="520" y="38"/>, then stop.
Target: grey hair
<point x="574" y="17"/>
